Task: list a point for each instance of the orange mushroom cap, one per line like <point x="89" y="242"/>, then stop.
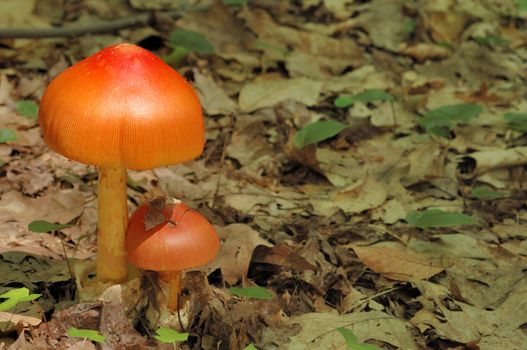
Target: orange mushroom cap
<point x="185" y="241"/>
<point x="122" y="106"/>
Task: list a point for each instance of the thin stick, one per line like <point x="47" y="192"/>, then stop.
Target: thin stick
<point x="72" y="274"/>
<point x="74" y="30"/>
<point x="394" y="116"/>
<point x="93" y="28"/>
<point x="222" y="160"/>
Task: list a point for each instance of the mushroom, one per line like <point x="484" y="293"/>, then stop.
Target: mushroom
<point x="121" y="108"/>
<point x="184" y="240"/>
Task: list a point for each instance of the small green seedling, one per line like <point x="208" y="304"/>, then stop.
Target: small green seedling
<point x="185" y="41"/>
<point x="89" y="334"/>
<point x="442" y="120"/>
<point x="516" y="121"/>
<point x="250" y="347"/>
<point x="251" y="292"/>
<point x="170" y="336"/>
<point x="483" y="192"/>
<point x="15" y="296"/>
<point x="42" y="226"/>
<point x="409" y="26"/>
<point x="522" y="5"/>
<point x="7" y="135"/>
<point x="437" y="218"/>
<point x="27" y="108"/>
<point x="318" y="131"/>
<point x="353" y="342"/>
<point x="373" y="95"/>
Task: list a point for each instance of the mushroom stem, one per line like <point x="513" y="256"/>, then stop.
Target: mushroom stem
<point x="173" y="278"/>
<point x="112" y="265"/>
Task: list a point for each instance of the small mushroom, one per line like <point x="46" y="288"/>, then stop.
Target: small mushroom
<point x="121" y="108"/>
<point x="185" y="240"/>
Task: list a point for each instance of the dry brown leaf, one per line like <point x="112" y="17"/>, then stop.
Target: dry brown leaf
<point x="424" y="51"/>
<point x="219" y="24"/>
<point x="82" y="345"/>
<point x="154" y="213"/>
<point x="268" y="31"/>
<point x="446" y="26"/>
<point x="234" y="257"/>
<point x="384" y="20"/>
<point x="396" y="262"/>
<point x="61" y="206"/>
<point x="491" y="329"/>
<point x="318" y="330"/>
<point x="213" y="98"/>
<point x="23" y="320"/>
<point x="268" y="92"/>
<point x="488" y="160"/>
<point x="367" y="194"/>
<point x="281" y="255"/>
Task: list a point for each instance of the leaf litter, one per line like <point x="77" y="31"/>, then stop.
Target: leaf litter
<point x="324" y="227"/>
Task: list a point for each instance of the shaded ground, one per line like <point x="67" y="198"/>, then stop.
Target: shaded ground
<point x="325" y="227"/>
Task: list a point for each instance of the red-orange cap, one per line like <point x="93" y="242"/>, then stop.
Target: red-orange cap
<point x="185" y="241"/>
<point x="122" y="106"/>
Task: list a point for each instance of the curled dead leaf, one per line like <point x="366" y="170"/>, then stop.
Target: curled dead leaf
<point x="238" y="243"/>
<point x="281" y="255"/>
<point x="154" y="214"/>
<point x="424" y="51"/>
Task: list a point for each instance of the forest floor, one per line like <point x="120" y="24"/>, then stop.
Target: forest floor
<point x="364" y="165"/>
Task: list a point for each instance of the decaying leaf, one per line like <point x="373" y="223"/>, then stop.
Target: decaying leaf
<point x="238" y="243"/>
<point x="268" y="92"/>
<point x="396" y="262"/>
<point x="319" y="330"/>
<point x="281" y="255"/>
<point x="154" y="214"/>
<point x="423" y="51"/>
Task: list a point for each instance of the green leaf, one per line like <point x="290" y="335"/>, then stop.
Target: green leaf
<point x="7" y="135"/>
<point x="409" y="26"/>
<point x="491" y="40"/>
<point x="87" y="334"/>
<point x="442" y="120"/>
<point x="437" y="218"/>
<point x="318" y="131"/>
<point x="353" y="342"/>
<point x="251" y="292"/>
<point x="177" y="54"/>
<point x="250" y="347"/>
<point x="516" y="121"/>
<point x="367" y="96"/>
<point x="350" y="338"/>
<point x="168" y="335"/>
<point x="191" y="41"/>
<point x="27" y="108"/>
<point x="235" y="2"/>
<point x="484" y="192"/>
<point x="522" y="5"/>
<point x="42" y="226"/>
<point x="15" y="296"/>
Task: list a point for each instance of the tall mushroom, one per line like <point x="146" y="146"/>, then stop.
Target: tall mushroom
<point x="121" y="108"/>
<point x="184" y="240"/>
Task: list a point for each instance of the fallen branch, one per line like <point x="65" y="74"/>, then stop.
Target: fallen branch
<point x="75" y="30"/>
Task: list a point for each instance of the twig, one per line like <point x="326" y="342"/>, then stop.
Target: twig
<point x="70" y="268"/>
<point x="222" y="159"/>
<point x="394" y="116"/>
<point x="75" y="30"/>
